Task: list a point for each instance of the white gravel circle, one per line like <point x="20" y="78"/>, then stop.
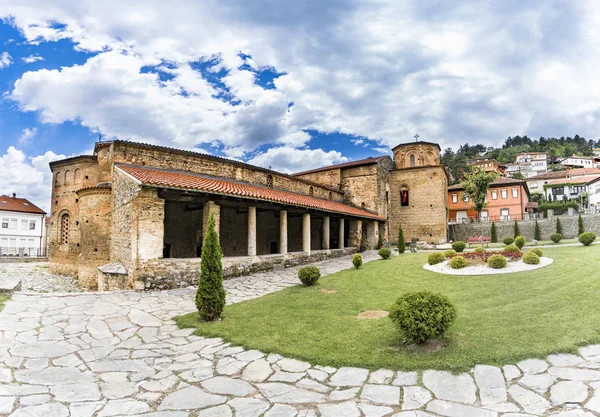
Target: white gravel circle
<point x="519" y="266"/>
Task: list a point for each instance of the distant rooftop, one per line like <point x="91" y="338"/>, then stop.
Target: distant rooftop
<point x="21" y="205"/>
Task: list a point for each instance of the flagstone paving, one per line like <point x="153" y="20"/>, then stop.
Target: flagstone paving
<point x="120" y="354"/>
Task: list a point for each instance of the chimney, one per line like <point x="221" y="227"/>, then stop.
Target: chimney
<point x="14" y="195"/>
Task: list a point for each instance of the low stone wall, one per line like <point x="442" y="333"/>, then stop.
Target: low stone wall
<point x="162" y="274"/>
<point x="16" y="259"/>
<point x="570" y="227"/>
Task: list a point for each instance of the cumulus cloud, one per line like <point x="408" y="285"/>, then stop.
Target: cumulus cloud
<point x="290" y="160"/>
<point x="29" y="177"/>
<point x="32" y="58"/>
<point x="27" y="134"/>
<point x="5" y="60"/>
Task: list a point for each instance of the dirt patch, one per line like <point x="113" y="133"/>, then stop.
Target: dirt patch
<point x="372" y="314"/>
<point x="327" y="291"/>
<point x="430" y="346"/>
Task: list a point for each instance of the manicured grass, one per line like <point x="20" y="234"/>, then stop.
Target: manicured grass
<point x="528" y="243"/>
<point x="3" y="299"/>
<point x="501" y="318"/>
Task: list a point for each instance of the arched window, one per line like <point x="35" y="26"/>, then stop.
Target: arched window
<point x="412" y="160"/>
<point x="65" y="225"/>
<point x="404" y="197"/>
<point x="67" y="175"/>
<point x="270" y="181"/>
<point x="330" y="195"/>
<point x="311" y="190"/>
<point x="363" y="206"/>
<point x="57" y="179"/>
<point x="77" y="176"/>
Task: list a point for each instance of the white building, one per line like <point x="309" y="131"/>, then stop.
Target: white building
<point x="22" y="227"/>
<point x="529" y="164"/>
<point x="578" y="161"/>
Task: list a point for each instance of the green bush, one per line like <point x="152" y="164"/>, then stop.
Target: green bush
<point x="449" y="253"/>
<point x="497" y="262"/>
<point x="458" y="262"/>
<point x="520" y="242"/>
<point x="516" y="231"/>
<point x="556" y="237"/>
<point x="435" y="258"/>
<point x="531" y="258"/>
<point x="210" y="296"/>
<point x="479" y="249"/>
<point x="508" y="240"/>
<point x="309" y="275"/>
<point x="587" y="238"/>
<point x="363" y="246"/>
<point x="385" y="253"/>
<point x="580" y="225"/>
<point x="401" y="241"/>
<point x="380" y="241"/>
<point x="459" y="246"/>
<point x="493" y="233"/>
<point x="559" y="226"/>
<point x="423" y="315"/>
<point x="357" y="260"/>
<point x="537" y="251"/>
<point x="512" y="248"/>
<point x="537" y="233"/>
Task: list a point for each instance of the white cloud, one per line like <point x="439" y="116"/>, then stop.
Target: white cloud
<point x="28" y="177"/>
<point x="5" y="60"/>
<point x="32" y="58"/>
<point x="286" y="159"/>
<point x="27" y="134"/>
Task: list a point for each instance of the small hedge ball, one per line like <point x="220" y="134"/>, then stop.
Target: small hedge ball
<point x="458" y="262"/>
<point x="449" y="253"/>
<point x="479" y="249"/>
<point x="497" y="262"/>
<point x="537" y="251"/>
<point x="520" y="242"/>
<point x="587" y="238"/>
<point x="531" y="258"/>
<point x="556" y="237"/>
<point x="435" y="258"/>
<point x="385" y="253"/>
<point x="309" y="275"/>
<point x="357" y="260"/>
<point x="459" y="246"/>
<point x="512" y="248"/>
<point x="423" y="315"/>
<point x="508" y="240"/>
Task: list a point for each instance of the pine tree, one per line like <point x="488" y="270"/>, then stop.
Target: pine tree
<point x="380" y="242"/>
<point x="580" y="222"/>
<point x="537" y="234"/>
<point x="493" y="233"/>
<point x="558" y="226"/>
<point x="401" y="242"/>
<point x="517" y="233"/>
<point x="210" y="297"/>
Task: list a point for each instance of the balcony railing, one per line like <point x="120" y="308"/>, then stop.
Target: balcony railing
<point x="22" y="252"/>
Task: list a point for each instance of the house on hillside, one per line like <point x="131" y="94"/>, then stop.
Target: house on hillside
<point x="536" y="184"/>
<point x="506" y="201"/>
<point x="487" y="164"/>
<point x="576" y="161"/>
<point x="528" y="164"/>
<point x="22" y="227"/>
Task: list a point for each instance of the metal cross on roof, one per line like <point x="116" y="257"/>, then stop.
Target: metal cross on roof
<point x="416" y="136"/>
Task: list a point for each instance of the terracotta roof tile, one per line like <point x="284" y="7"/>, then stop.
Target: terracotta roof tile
<point x="351" y="164"/>
<point x="158" y="177"/>
<point x="21" y="205"/>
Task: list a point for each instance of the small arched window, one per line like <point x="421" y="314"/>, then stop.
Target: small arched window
<point x="330" y="195"/>
<point x="363" y="206"/>
<point x="65" y="226"/>
<point x="57" y="179"/>
<point x="412" y="160"/>
<point x="270" y="181"/>
<point x="404" y="197"/>
<point x="67" y="177"/>
<point x="77" y="176"/>
<point x="311" y="191"/>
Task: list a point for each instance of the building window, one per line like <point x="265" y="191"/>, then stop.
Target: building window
<point x="404" y="198"/>
<point x="533" y="185"/>
<point x="77" y="176"/>
<point x="455" y="198"/>
<point x="32" y="225"/>
<point x="5" y="223"/>
<point x="494" y="194"/>
<point x="504" y="215"/>
<point x="270" y="181"/>
<point x="67" y="176"/>
<point x="311" y="190"/>
<point x="558" y="191"/>
<point x="65" y="221"/>
<point x="57" y="179"/>
<point x="13" y="224"/>
<point x="330" y="196"/>
<point x="504" y="193"/>
<point x="363" y="206"/>
<point x="465" y="198"/>
<point x="24" y="224"/>
<point x="387" y="196"/>
<point x="515" y="192"/>
<point x="412" y="160"/>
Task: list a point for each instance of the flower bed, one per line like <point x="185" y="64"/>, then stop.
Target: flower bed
<point x="483" y="257"/>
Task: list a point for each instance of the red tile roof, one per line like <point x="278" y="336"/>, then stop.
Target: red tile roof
<point x="163" y="178"/>
<point x="21" y="205"/>
<point x="367" y="161"/>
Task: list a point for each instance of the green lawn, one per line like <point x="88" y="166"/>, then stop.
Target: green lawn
<point x="501" y="318"/>
<point x="3" y="299"/>
<point x="528" y="243"/>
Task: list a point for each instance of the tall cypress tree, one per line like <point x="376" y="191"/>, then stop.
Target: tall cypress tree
<point x="580" y="222"/>
<point x="537" y="234"/>
<point x="558" y="226"/>
<point x="493" y="233"/>
<point x="517" y="233"/>
<point x="210" y="297"/>
<point x="401" y="242"/>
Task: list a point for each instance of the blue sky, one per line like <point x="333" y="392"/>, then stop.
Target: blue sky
<point x="285" y="84"/>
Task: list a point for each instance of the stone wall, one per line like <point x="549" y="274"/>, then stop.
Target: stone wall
<point x="123" y="231"/>
<point x="570" y="226"/>
<point x="162" y="274"/>
<point x="331" y="177"/>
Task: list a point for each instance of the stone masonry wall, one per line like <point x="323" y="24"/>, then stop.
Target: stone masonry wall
<point x="123" y="228"/>
<point x="330" y="177"/>
<point x="591" y="223"/>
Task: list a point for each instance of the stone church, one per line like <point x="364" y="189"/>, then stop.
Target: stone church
<point x="134" y="215"/>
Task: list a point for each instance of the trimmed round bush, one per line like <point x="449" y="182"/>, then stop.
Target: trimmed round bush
<point x="537" y="251"/>
<point x="512" y="248"/>
<point x="556" y="237"/>
<point x="479" y="249"/>
<point x="587" y="238"/>
<point x="357" y="260"/>
<point x="520" y="242"/>
<point x="459" y="246"/>
<point x="435" y="258"/>
<point x="458" y="262"/>
<point x="497" y="262"/>
<point x="508" y="240"/>
<point x="531" y="258"/>
<point x="449" y="253"/>
<point x="422" y="315"/>
<point x="309" y="275"/>
<point x="385" y="253"/>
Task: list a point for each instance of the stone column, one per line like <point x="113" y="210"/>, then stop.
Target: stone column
<point x="325" y="241"/>
<point x="283" y="232"/>
<point x="207" y="209"/>
<point x="251" y="231"/>
<point x="550" y="213"/>
<point x="571" y="211"/>
<point x="341" y="231"/>
<point x="372" y="234"/>
<point x="306" y="233"/>
<point x="355" y="233"/>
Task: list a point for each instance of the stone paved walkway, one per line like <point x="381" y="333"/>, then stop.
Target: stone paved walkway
<point x="120" y="354"/>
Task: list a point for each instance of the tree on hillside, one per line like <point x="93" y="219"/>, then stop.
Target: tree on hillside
<point x="401" y="241"/>
<point x="210" y="297"/>
<point x="476" y="185"/>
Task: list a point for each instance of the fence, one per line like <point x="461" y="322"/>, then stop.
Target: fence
<point x="23" y="252"/>
<point x="498" y="219"/>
